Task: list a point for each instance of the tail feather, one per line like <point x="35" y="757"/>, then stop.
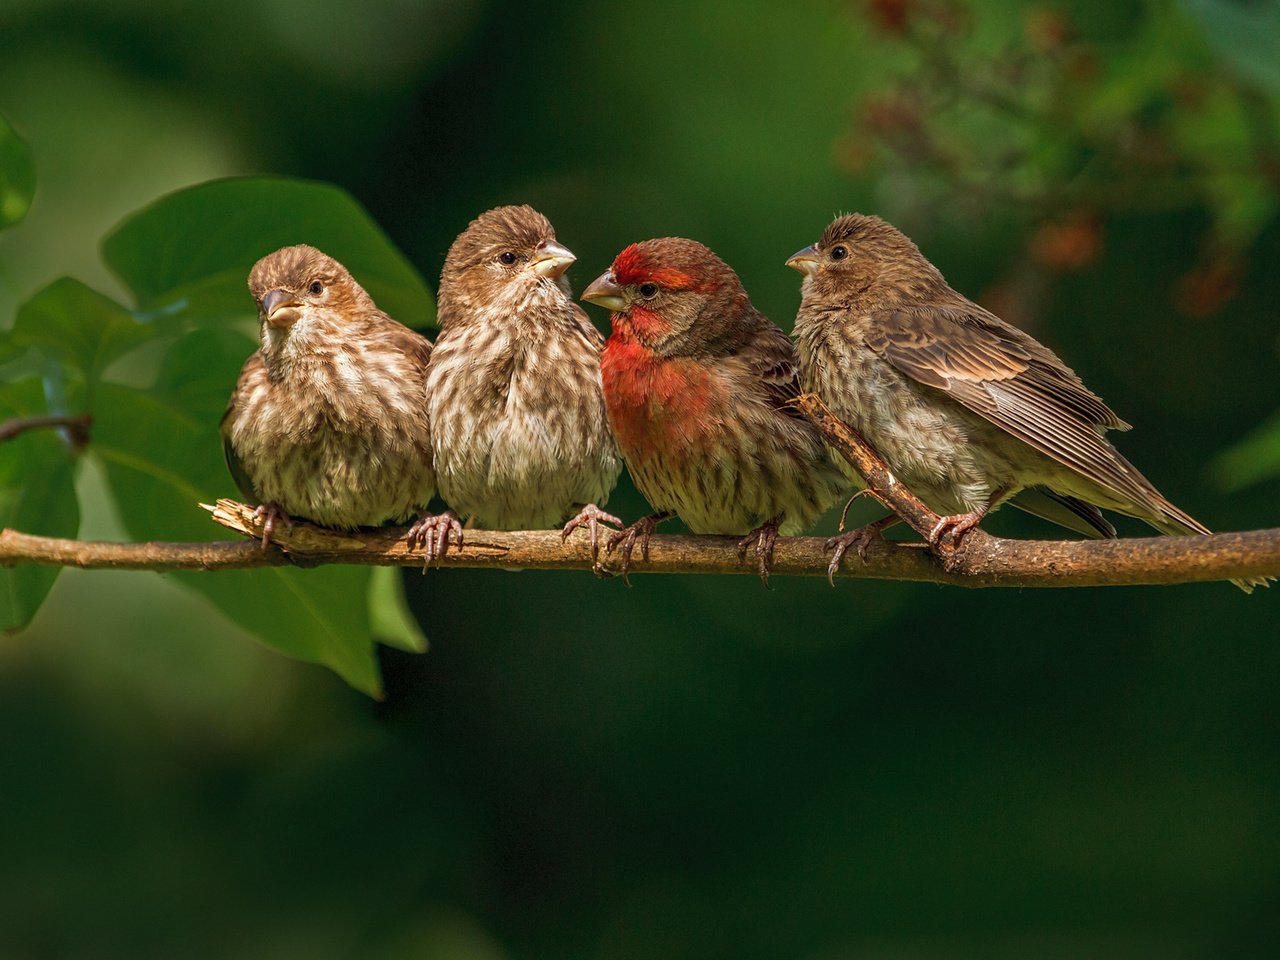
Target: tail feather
<point x="1070" y="512"/>
<point x="1175" y="523"/>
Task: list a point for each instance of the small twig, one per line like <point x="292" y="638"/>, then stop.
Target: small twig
<point x="881" y="483"/>
<point x="77" y="427"/>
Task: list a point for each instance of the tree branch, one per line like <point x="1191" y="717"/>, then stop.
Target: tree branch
<point x="77" y="427"/>
<point x="1007" y="563"/>
<point x="1023" y="562"/>
<point x="881" y="483"/>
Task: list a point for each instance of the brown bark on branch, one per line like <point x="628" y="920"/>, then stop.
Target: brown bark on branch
<point x="1021" y="563"/>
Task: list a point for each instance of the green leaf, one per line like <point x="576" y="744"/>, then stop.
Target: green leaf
<point x="162" y="460"/>
<point x="190" y="252"/>
<point x="78" y="327"/>
<point x="318" y="615"/>
<point x="1253" y="459"/>
<point x="17" y="176"/>
<point x="37" y="495"/>
<point x="163" y="456"/>
<point x="389" y="614"/>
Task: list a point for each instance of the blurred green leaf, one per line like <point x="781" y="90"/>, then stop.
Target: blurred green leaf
<point x="1253" y="459"/>
<point x="389" y="614"/>
<point x="190" y="253"/>
<point x="8" y="349"/>
<point x="1245" y="34"/>
<point x="17" y="176"/>
<point x="37" y="495"/>
<point x="78" y="327"/>
<point x="318" y="615"/>
<point x="163" y="456"/>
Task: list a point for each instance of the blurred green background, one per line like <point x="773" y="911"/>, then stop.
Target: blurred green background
<point x="694" y="767"/>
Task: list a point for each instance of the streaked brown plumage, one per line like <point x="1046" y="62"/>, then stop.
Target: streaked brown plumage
<point x="327" y="421"/>
<point x="521" y="438"/>
<point x="698" y="383"/>
<point x="967" y="410"/>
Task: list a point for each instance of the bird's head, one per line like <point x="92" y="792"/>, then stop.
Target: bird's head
<point x="673" y="295"/>
<point x="506" y="256"/>
<point x="300" y="285"/>
<point x="859" y="253"/>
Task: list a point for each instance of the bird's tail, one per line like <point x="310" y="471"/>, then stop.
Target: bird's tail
<point x="1173" y="522"/>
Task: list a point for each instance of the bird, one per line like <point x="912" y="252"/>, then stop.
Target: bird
<point x="698" y="384"/>
<point x="968" y="411"/>
<point x="327" y="422"/>
<point x="519" y="430"/>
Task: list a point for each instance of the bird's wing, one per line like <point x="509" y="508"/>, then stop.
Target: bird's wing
<point x="1002" y="374"/>
<point x="253" y="369"/>
<point x="770" y="359"/>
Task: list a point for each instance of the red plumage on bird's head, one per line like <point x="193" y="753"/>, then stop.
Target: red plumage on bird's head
<point x="674" y="296"/>
<point x="672" y="263"/>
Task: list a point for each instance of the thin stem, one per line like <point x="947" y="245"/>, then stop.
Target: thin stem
<point x="76" y="426"/>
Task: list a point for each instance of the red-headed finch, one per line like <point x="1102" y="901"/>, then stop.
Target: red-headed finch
<point x="327" y="421"/>
<point x="698" y="383"/>
<point x="519" y="429"/>
<point x="967" y="410"/>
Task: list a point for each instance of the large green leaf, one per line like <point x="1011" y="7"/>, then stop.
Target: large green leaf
<point x="17" y="176"/>
<point x="163" y="456"/>
<point x="190" y="253"/>
<point x="37" y="495"/>
<point x="78" y="327"/>
<point x="318" y="615"/>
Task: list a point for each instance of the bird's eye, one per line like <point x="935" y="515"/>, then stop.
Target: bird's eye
<point x="648" y="290"/>
<point x="839" y="252"/>
<point x="316" y="288"/>
<point x="508" y="257"/>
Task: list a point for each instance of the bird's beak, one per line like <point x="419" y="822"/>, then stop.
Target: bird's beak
<point x="605" y="292"/>
<point x="281" y="308"/>
<point x="806" y="260"/>
<point x="551" y="259"/>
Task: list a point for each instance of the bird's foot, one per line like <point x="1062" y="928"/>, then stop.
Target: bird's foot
<point x="764" y="537"/>
<point x="271" y="514"/>
<point x="626" y="538"/>
<point x="948" y="532"/>
<point x="432" y="533"/>
<point x="591" y="517"/>
<point x="950" y="536"/>
<point x="860" y="539"/>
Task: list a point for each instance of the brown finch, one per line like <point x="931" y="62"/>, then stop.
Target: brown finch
<point x="327" y="422"/>
<point x="698" y="383"/>
<point x="967" y="410"/>
<point x="520" y="434"/>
